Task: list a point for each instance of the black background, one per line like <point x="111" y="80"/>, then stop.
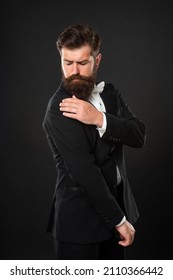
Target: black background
<point x="137" y="57"/>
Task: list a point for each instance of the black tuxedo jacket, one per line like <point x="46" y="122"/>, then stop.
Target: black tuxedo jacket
<point x="86" y="204"/>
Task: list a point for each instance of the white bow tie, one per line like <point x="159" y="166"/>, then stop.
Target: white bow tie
<point x="99" y="87"/>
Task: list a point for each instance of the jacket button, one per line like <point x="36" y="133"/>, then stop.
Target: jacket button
<point x="107" y="219"/>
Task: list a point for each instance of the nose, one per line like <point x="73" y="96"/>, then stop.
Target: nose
<point x="75" y="69"/>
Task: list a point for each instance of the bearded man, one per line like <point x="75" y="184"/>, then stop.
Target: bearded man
<point x="87" y="124"/>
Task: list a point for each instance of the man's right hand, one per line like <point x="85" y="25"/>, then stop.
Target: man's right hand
<point x="81" y="110"/>
<point x="127" y="233"/>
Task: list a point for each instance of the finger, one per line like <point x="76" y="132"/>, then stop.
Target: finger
<point x="69" y="104"/>
<point x="70" y="115"/>
<point x="121" y="236"/>
<point x="124" y="243"/>
<point x="71" y="100"/>
<point x="68" y="109"/>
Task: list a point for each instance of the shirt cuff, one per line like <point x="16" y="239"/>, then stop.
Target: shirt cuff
<point x="102" y="129"/>
<point x="122" y="221"/>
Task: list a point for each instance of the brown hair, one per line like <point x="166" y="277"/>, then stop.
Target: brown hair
<point x="78" y="35"/>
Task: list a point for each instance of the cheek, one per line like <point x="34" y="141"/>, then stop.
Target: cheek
<point x="87" y="71"/>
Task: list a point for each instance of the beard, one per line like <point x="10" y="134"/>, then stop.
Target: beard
<point x="80" y="86"/>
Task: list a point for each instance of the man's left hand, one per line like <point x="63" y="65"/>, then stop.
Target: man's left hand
<point x="82" y="111"/>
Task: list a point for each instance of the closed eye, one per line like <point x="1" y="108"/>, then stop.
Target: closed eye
<point x="67" y="62"/>
<point x="83" y="62"/>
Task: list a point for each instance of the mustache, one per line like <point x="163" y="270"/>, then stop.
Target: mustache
<point x="78" y="77"/>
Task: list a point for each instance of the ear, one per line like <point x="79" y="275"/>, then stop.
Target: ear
<point x="98" y="59"/>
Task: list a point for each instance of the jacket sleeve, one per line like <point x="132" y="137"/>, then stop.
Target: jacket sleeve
<point x="70" y="139"/>
<point x="125" y="128"/>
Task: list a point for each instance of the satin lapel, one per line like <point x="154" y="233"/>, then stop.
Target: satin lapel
<point x="109" y="101"/>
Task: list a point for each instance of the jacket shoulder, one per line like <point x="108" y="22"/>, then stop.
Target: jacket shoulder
<point x="57" y="97"/>
<point x="111" y="88"/>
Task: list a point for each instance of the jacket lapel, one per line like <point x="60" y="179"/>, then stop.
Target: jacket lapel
<point x="109" y="100"/>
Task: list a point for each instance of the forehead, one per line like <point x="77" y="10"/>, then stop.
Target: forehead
<point x="77" y="54"/>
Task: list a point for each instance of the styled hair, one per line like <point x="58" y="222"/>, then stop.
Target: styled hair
<point x="78" y="35"/>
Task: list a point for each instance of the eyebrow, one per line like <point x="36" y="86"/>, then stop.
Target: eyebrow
<point x="81" y="61"/>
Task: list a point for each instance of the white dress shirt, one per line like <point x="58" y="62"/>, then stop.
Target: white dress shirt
<point x="97" y="101"/>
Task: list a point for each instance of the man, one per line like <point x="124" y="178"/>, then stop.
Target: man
<point x="87" y="124"/>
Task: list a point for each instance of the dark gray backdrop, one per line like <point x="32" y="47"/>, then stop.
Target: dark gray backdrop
<point x="137" y="57"/>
